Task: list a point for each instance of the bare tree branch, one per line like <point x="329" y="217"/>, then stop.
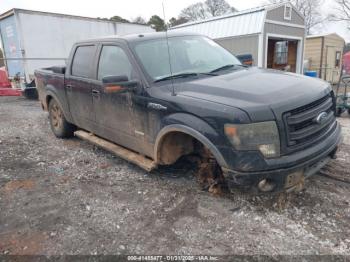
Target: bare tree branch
<point x="209" y="8"/>
<point x="194" y="12"/>
<point x="218" y="7"/>
<point x="342" y="11"/>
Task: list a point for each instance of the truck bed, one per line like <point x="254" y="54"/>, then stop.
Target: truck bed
<point x="51" y="80"/>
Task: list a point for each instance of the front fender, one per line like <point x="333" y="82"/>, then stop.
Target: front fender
<point x="195" y="127"/>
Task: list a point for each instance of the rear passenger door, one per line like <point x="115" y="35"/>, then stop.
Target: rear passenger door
<point x="78" y="86"/>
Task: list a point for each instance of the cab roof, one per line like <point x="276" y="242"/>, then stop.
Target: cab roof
<point x="138" y="37"/>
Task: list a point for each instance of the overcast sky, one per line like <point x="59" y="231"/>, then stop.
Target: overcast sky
<point x="132" y="8"/>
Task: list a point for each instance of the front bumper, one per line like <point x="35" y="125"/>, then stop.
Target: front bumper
<point x="287" y="178"/>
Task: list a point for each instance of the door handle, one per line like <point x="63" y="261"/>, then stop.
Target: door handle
<point x="95" y="93"/>
<point x="69" y="88"/>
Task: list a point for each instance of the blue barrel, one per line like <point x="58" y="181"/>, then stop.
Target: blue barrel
<point x="311" y="73"/>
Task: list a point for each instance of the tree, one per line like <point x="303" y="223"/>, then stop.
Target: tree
<point x="218" y="7"/>
<point x="342" y="11"/>
<point x="119" y="19"/>
<point x="203" y="10"/>
<point x="177" y="21"/>
<point x="310" y="9"/>
<point x="157" y="23"/>
<point x="139" y="20"/>
<point x="195" y="12"/>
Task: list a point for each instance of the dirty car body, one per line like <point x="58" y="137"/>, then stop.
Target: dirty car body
<point x="161" y="97"/>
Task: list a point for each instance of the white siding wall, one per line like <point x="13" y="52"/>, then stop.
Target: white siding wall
<point x="242" y="45"/>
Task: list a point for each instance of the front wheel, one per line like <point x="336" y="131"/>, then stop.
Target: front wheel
<point x="59" y="125"/>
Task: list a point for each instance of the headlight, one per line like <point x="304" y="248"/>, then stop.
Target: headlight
<point x="261" y="136"/>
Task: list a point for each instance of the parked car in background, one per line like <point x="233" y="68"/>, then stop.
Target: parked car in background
<point x="346" y="63"/>
<point x="246" y="126"/>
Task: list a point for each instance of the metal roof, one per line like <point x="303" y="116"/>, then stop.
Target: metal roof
<point x="27" y="11"/>
<point x="323" y="35"/>
<point x="246" y="22"/>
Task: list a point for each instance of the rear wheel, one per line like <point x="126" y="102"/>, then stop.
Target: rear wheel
<point x="59" y="125"/>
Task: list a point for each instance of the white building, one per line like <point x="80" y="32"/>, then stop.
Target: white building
<point x="274" y="35"/>
<point x="33" y="39"/>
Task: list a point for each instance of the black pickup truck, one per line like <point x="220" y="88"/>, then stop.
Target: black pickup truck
<point x="155" y="99"/>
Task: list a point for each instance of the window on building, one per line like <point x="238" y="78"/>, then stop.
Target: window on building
<point x="337" y="58"/>
<point x="281" y="53"/>
<point x="114" y="62"/>
<point x="287" y="12"/>
<point x="82" y="61"/>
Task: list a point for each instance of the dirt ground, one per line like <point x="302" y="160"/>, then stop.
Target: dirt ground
<point x="69" y="197"/>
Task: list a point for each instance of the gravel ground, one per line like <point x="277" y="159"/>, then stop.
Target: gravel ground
<point x="69" y="197"/>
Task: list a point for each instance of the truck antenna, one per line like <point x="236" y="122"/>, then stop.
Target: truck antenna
<point x="168" y="47"/>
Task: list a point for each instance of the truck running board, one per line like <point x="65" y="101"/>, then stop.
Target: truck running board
<point x="130" y="156"/>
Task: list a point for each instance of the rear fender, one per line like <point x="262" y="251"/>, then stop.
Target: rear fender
<point x="51" y="92"/>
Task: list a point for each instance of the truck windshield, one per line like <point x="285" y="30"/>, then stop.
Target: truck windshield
<point x="189" y="55"/>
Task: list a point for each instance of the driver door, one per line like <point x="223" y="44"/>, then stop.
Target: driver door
<point x="114" y="111"/>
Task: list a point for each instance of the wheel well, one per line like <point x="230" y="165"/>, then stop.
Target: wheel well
<point x="175" y="145"/>
<point x="48" y="99"/>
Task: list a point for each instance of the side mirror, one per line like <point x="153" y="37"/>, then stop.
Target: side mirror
<point x="118" y="84"/>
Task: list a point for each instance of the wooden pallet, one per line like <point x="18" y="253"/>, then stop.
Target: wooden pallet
<point x="133" y="157"/>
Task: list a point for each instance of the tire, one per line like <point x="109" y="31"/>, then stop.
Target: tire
<point x="59" y="125"/>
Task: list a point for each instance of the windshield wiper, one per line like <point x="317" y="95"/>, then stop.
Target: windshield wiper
<point x="225" y="67"/>
<point x="181" y="75"/>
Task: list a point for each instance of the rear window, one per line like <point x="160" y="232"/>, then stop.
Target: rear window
<point x="82" y="61"/>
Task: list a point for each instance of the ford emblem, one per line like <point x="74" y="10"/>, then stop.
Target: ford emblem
<point x="321" y="118"/>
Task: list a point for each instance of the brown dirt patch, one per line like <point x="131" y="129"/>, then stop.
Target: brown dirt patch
<point x="18" y="184"/>
<point x="28" y="244"/>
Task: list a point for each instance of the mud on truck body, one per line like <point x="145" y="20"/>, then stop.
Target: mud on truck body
<point x="154" y="100"/>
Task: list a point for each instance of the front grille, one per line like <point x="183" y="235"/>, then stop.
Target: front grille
<point x="301" y="125"/>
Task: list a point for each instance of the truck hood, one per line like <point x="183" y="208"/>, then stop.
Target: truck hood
<point x="261" y="93"/>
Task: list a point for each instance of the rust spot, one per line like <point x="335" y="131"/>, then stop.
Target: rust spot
<point x="18" y="184"/>
<point x="282" y="201"/>
<point x="209" y="174"/>
<point x="173" y="146"/>
<point x="18" y="244"/>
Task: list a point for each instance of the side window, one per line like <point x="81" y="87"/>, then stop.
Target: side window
<point x="113" y="62"/>
<point x="83" y="59"/>
<point x="337" y="58"/>
<point x="281" y="53"/>
<point x="287" y="12"/>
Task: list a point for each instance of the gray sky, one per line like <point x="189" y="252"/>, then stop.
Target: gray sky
<point x="132" y="8"/>
<point x="107" y="8"/>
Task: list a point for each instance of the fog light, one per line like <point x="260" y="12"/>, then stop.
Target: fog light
<point x="268" y="150"/>
<point x="266" y="185"/>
